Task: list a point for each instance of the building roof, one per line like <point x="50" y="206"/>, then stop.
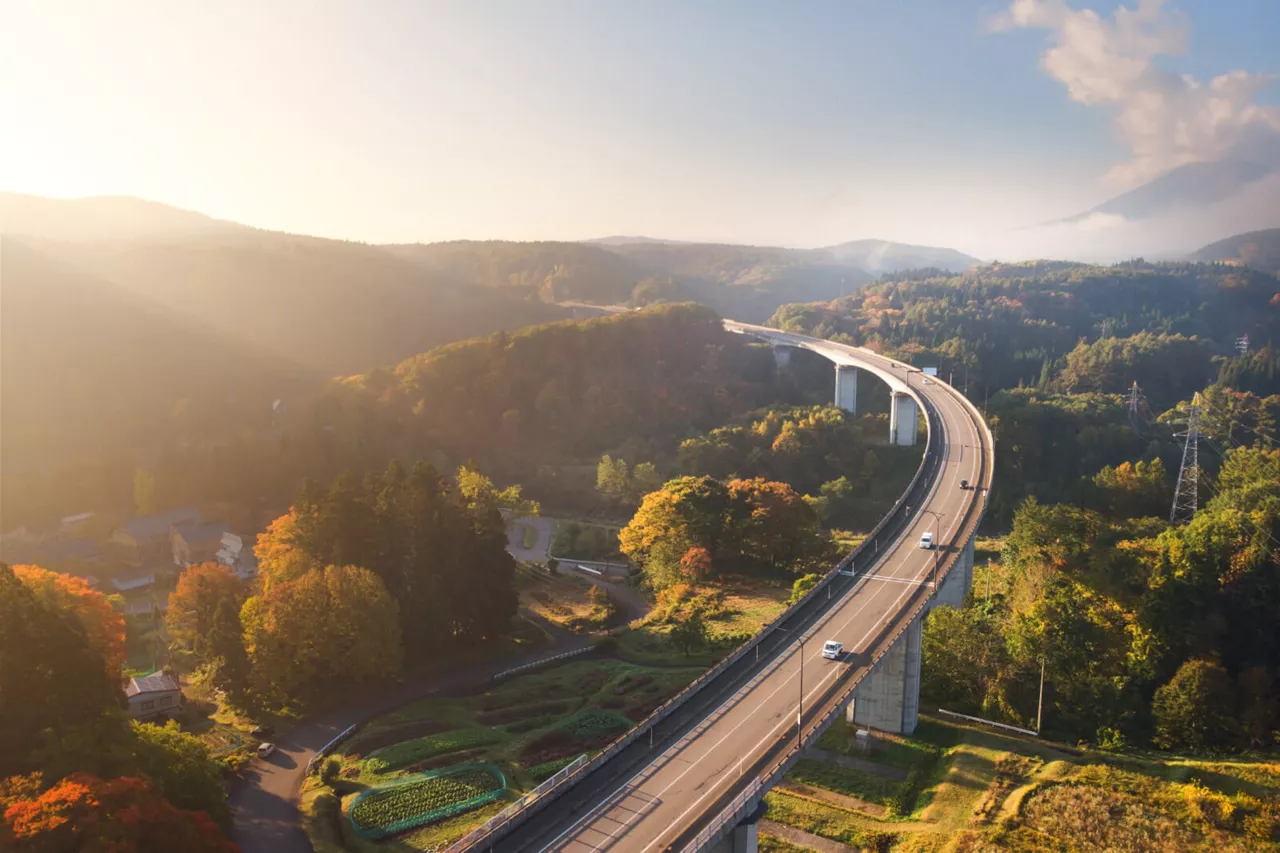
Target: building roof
<point x="148" y="527"/>
<point x="133" y="580"/>
<point x="157" y="682"/>
<point x="80" y="548"/>
<point x="201" y="531"/>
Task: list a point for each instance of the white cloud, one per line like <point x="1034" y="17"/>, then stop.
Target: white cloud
<point x="1166" y="120"/>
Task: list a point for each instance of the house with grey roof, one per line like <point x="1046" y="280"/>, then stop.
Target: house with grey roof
<point x="151" y="696"/>
<point x="147" y="536"/>
<point x="196" y="541"/>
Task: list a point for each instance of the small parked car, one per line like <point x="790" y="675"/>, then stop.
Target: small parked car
<point x="926" y="541"/>
<point x="265" y="749"/>
<point x="832" y="649"/>
<point x="262" y="731"/>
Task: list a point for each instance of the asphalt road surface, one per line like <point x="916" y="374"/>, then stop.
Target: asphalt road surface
<point x="685" y="782"/>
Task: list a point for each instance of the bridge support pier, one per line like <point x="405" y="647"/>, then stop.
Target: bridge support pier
<point x="782" y="357"/>
<point x="847" y="388"/>
<point x="903" y="414"/>
<point x="745" y="837"/>
<point x="889" y="698"/>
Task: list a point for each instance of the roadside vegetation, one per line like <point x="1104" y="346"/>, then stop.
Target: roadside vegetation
<point x="971" y="788"/>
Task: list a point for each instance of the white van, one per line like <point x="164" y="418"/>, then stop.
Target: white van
<point x="926" y="541"/>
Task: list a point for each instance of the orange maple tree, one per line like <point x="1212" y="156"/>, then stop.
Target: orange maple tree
<point x="103" y="624"/>
<point x="85" y="813"/>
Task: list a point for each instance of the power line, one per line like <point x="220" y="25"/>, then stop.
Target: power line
<point x="1186" y="493"/>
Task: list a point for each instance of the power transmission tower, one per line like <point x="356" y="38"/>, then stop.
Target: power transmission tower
<point x="1186" y="494"/>
<point x="1242" y="344"/>
<point x="1133" y="406"/>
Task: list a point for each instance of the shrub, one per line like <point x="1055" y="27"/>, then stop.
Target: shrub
<point x="590" y="723"/>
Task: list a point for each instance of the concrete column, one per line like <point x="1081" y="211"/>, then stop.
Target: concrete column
<point x="889" y="698"/>
<point x="782" y="357"/>
<point x="847" y="388"/>
<point x="958" y="582"/>
<point x="744" y="838"/>
<point x="902" y="420"/>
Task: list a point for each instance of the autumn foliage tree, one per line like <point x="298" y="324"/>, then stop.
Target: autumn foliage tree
<point x="332" y="625"/>
<point x="194" y="603"/>
<point x="85" y="813"/>
<point x="54" y="688"/>
<point x="103" y="625"/>
<point x="696" y="526"/>
<point x="439" y="547"/>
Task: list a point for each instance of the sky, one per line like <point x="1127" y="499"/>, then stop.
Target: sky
<point x="945" y="122"/>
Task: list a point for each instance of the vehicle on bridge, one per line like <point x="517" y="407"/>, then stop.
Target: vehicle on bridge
<point x="926" y="541"/>
<point x="833" y="650"/>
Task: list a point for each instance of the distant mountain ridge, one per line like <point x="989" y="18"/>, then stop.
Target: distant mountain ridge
<point x="103" y="219"/>
<point x="1257" y="249"/>
<point x="1195" y="185"/>
<point x="884" y="256"/>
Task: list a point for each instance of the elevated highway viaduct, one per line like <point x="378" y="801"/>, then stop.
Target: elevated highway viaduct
<point x="692" y="775"/>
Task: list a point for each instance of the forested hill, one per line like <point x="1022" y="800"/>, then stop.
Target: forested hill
<point x="1257" y="249"/>
<point x="570" y="386"/>
<point x="1052" y="351"/>
<point x="516" y="405"/>
<point x="1009" y="324"/>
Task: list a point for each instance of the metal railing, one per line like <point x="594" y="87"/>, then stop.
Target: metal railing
<point x="510" y="817"/>
<point x="738" y="808"/>
<point x="482" y="831"/>
<point x="537" y="663"/>
<point x="324" y="750"/>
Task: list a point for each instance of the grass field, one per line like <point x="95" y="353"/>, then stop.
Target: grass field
<point x="563" y="599"/>
<point x="978" y="790"/>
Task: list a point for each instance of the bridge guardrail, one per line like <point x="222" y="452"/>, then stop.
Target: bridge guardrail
<point x="738" y="808"/>
<point x="507" y="820"/>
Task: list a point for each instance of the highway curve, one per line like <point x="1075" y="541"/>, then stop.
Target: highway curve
<point x="666" y="797"/>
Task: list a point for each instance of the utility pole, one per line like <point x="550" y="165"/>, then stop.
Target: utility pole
<point x="1040" y="706"/>
<point x="1186" y="494"/>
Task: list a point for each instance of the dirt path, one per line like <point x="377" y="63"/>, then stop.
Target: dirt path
<point x="800" y="838"/>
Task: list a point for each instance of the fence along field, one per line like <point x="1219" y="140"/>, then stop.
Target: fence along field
<point x="391" y="809"/>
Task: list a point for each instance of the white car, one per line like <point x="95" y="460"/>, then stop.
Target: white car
<point x="928" y="382"/>
<point x="926" y="541"/>
<point x="832" y="649"/>
<point x="265" y="749"/>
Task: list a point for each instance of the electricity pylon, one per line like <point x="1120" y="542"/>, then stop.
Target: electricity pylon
<point x="1186" y="495"/>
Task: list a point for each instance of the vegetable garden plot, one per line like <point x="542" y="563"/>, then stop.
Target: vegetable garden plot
<point x="391" y="809"/>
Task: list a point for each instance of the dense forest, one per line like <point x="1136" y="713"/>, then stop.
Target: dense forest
<point x="1148" y="633"/>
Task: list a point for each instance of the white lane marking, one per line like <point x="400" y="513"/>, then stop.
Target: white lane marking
<point x="892" y="610"/>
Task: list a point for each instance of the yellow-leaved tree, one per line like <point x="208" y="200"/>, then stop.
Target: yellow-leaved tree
<point x="329" y="626"/>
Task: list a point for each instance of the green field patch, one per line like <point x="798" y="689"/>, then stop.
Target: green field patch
<point x="843" y="780"/>
<point x="547" y="769"/>
<point x="410" y="752"/>
<point x="391" y="809"/>
<point x="826" y="821"/>
<point x="586" y="725"/>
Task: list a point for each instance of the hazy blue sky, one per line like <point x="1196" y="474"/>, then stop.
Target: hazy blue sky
<point x="786" y="123"/>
